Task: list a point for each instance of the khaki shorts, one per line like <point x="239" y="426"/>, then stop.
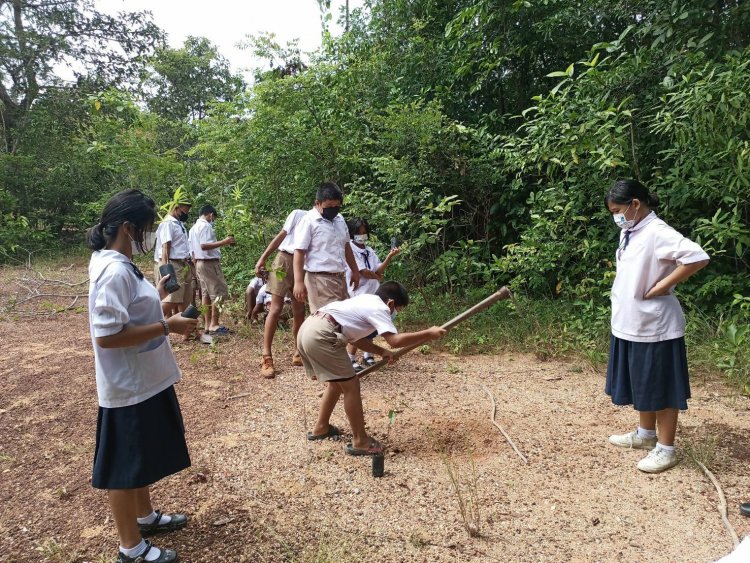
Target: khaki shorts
<point x="211" y="279"/>
<point x="324" y="288"/>
<point x="323" y="350"/>
<point x="281" y="276"/>
<point x="185" y="276"/>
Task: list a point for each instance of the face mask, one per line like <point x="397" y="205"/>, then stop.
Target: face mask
<point x="330" y="212"/>
<point x="183" y="216"/>
<point x="393" y="315"/>
<point x="622" y="222"/>
<point x="361" y="239"/>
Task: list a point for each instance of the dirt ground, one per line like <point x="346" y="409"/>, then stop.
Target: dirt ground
<point x="259" y="491"/>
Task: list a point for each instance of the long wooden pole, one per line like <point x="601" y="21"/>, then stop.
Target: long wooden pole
<point x="499" y="295"/>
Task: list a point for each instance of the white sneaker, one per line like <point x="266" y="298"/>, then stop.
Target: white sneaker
<point x="658" y="460"/>
<point x="632" y="440"/>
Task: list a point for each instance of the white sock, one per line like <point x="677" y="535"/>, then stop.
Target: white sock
<point x="152" y="555"/>
<point x="152" y="517"/>
<point x="665" y="448"/>
<point x="643" y="433"/>
<point x="368" y="355"/>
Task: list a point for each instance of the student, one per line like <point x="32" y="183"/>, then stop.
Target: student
<point x="371" y="271"/>
<point x="172" y="247"/>
<point x="251" y="293"/>
<point x="280" y="285"/>
<point x="207" y="255"/>
<point x="140" y="437"/>
<point x="648" y="362"/>
<point x="322" y="252"/>
<point x="322" y="343"/>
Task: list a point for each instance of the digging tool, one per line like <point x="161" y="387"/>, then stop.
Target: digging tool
<point x="499" y="295"/>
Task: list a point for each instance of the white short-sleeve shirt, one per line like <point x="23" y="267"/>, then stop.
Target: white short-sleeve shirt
<point x="366" y="260"/>
<point x="653" y="251"/>
<point x="202" y="233"/>
<point x="290" y="227"/>
<point x="360" y="315"/>
<point x="117" y="298"/>
<point x="323" y="242"/>
<point x="172" y="230"/>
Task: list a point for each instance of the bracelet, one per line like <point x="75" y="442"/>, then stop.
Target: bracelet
<point x="166" y="327"/>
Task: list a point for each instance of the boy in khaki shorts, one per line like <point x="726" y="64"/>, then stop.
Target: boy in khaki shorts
<point x="280" y="284"/>
<point x="172" y="247"/>
<point x="322" y="252"/>
<point x="322" y="341"/>
<point x="207" y="255"/>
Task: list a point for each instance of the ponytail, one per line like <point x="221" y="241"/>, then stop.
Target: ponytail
<point x="625" y="191"/>
<point x="132" y="206"/>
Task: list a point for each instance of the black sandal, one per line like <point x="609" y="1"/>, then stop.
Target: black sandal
<point x="177" y="522"/>
<point x="333" y="433"/>
<point x="167" y="556"/>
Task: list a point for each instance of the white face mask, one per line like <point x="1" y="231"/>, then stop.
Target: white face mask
<point x="622" y="222"/>
<point x="361" y="239"/>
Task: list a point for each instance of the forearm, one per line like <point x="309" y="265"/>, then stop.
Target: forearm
<point x="370" y="275"/>
<point x="165" y="248"/>
<point x="272" y="246"/>
<point x="299" y="265"/>
<point x="349" y="256"/>
<point x="369" y="346"/>
<point x="213" y="245"/>
<point x="131" y="335"/>
<point x="402" y="340"/>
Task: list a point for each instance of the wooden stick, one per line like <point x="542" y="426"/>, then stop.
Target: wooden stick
<point x="499" y="295"/>
<point x="722" y="504"/>
<point x="500" y="428"/>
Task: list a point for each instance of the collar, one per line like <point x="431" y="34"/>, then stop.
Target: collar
<point x="202" y="219"/>
<point x="645" y="221"/>
<point x="171" y="217"/>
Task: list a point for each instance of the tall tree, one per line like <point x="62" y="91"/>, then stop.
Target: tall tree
<point x="40" y="39"/>
<point x="185" y="81"/>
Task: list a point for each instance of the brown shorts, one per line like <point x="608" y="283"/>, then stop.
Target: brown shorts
<point x="281" y="276"/>
<point x="324" y="288"/>
<point x="211" y="279"/>
<point x="184" y="276"/>
<point x="323" y="350"/>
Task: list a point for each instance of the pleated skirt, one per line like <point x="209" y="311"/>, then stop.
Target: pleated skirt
<point x="651" y="376"/>
<point x="138" y="445"/>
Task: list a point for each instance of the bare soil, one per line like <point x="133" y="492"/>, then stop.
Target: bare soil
<point x="259" y="491"/>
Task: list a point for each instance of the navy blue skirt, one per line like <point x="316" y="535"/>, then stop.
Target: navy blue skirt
<point x="651" y="376"/>
<point x="140" y="444"/>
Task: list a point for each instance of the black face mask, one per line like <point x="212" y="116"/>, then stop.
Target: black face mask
<point x="330" y="212"/>
<point x="183" y="216"/>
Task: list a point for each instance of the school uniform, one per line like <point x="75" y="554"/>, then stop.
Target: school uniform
<point x="325" y="265"/>
<point x="173" y="231"/>
<point x="648" y="362"/>
<point x="140" y="436"/>
<point x="281" y="278"/>
<point x="366" y="260"/>
<point x="323" y="337"/>
<point x="207" y="262"/>
<point x="256" y="283"/>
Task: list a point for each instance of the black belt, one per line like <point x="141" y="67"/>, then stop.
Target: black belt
<point x="207" y="259"/>
<point x="327" y="273"/>
<point x="287" y="253"/>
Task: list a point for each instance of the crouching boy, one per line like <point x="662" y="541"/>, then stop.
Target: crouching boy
<point x="322" y="341"/>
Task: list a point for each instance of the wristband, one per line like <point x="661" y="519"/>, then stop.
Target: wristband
<point x="166" y="327"/>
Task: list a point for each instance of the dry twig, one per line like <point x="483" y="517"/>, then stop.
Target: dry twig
<point x="722" y="504"/>
<point x="500" y="428"/>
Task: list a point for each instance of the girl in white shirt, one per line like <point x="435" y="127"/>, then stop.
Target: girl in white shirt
<point x="648" y="362"/>
<point x="371" y="271"/>
<point x="140" y="437"/>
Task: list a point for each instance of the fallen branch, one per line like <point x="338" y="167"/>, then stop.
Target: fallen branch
<point x="722" y="504"/>
<point x="500" y="428"/>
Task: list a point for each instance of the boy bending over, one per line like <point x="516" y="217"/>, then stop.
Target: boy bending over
<point x="322" y="341"/>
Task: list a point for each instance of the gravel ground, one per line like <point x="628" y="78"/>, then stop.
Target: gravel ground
<point x="259" y="491"/>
